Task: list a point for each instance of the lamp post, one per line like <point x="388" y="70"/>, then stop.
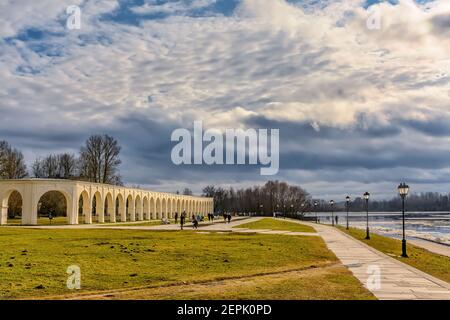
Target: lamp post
<point x="315" y="209"/>
<point x="332" y="212"/>
<point x="292" y="211"/>
<point x="261" y="208"/>
<point x="403" y="190"/>
<point x="366" y="197"/>
<point x="347" y="200"/>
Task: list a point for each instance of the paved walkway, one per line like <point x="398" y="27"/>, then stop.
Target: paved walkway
<point x="398" y="280"/>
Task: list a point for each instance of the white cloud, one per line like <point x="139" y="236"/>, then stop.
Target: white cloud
<point x="271" y="59"/>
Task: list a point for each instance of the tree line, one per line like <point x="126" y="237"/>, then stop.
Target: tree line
<point x="273" y="196"/>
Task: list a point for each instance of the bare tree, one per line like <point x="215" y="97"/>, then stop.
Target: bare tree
<point x="67" y="165"/>
<point x="99" y="159"/>
<point x="12" y="164"/>
<point x="187" y="192"/>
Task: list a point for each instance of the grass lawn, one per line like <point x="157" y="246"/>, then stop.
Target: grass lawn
<point x="422" y="259"/>
<point x="41" y="221"/>
<point x="141" y="223"/>
<point x="277" y="224"/>
<point x="33" y="263"/>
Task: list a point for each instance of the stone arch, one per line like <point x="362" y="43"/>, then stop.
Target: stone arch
<point x="120" y="208"/>
<point x="174" y="207"/>
<point x="84" y="207"/>
<point x="97" y="207"/>
<point x="67" y="201"/>
<point x="178" y="206"/>
<point x="152" y="208"/>
<point x="145" y="208"/>
<point x="109" y="208"/>
<point x="5" y="197"/>
<point x="130" y="210"/>
<point x="158" y="208"/>
<point x="169" y="209"/>
<point x="163" y="208"/>
<point x="138" y="208"/>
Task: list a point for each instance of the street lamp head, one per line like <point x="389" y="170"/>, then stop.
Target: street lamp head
<point x="331" y="202"/>
<point x="347" y="199"/>
<point x="316" y="203"/>
<point x="403" y="190"/>
<point x="366" y="196"/>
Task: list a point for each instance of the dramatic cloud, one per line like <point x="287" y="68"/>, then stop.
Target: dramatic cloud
<point x="358" y="107"/>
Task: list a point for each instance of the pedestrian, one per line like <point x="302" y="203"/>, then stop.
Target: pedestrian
<point x="224" y="217"/>
<point x="229" y="217"/>
<point x="195" y="223"/>
<point x="182" y="218"/>
<point x="336" y="218"/>
<point x="176" y="217"/>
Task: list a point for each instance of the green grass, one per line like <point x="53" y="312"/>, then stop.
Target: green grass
<point x="33" y="262"/>
<point x="276" y="224"/>
<point x="141" y="223"/>
<point x="17" y="221"/>
<point x="422" y="259"/>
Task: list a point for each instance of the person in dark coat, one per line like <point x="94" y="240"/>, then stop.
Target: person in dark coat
<point x="176" y="217"/>
<point x="229" y="217"/>
<point x="182" y="219"/>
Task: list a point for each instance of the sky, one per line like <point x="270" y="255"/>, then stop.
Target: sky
<point x="360" y="90"/>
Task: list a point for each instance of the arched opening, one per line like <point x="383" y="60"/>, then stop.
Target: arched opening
<point x="138" y="208"/>
<point x="146" y="209"/>
<point x="163" y="208"/>
<point x="52" y="208"/>
<point x="84" y="208"/>
<point x="179" y="206"/>
<point x="169" y="209"/>
<point x="174" y="207"/>
<point x="130" y="213"/>
<point x="97" y="208"/>
<point x="152" y="208"/>
<point x="11" y="208"/>
<point x="110" y="214"/>
<point x="120" y="209"/>
<point x="158" y="209"/>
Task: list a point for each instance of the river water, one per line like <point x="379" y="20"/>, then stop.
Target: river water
<point x="434" y="226"/>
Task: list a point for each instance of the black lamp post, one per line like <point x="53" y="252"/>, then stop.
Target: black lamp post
<point x="403" y="190"/>
<point x="261" y="208"/>
<point x="366" y="197"/>
<point x="347" y="199"/>
<point x="332" y="212"/>
<point x="315" y="209"/>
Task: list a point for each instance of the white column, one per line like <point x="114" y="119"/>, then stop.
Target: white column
<point x="29" y="205"/>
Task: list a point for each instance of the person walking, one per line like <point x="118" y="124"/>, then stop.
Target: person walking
<point x="337" y="219"/>
<point x="182" y="219"/>
<point x="229" y="217"/>
<point x="176" y="217"/>
<point x="195" y="223"/>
